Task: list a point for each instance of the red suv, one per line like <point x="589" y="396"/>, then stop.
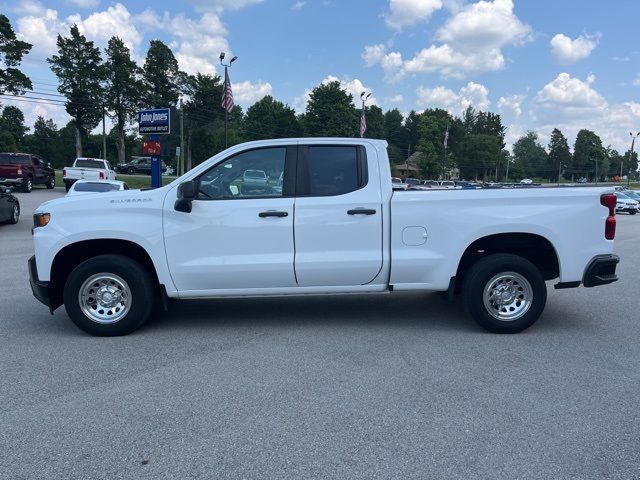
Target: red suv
<point x="25" y="170"/>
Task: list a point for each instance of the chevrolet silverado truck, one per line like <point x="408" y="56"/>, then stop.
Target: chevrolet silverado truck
<point x="335" y="226"/>
<point x="87" y="169"/>
<point x="24" y="170"/>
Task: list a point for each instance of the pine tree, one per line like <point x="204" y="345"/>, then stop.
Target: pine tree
<point x="12" y="50"/>
<point x="559" y="154"/>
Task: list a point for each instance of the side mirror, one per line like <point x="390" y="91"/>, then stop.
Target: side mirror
<point x="186" y="195"/>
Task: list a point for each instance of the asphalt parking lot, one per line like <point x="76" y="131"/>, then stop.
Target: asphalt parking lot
<point x="396" y="386"/>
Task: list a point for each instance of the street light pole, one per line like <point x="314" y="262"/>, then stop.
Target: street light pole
<point x="633" y="141"/>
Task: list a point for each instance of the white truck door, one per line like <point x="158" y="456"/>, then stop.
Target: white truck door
<point x="338" y="216"/>
<point x="239" y="234"/>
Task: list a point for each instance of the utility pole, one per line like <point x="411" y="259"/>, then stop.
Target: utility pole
<point x="559" y="169"/>
<point x="181" y="159"/>
<point x="633" y="141"/>
<point x="104" y="136"/>
<point x="444" y="159"/>
<point x="506" y="175"/>
<point x="406" y="162"/>
<point x="596" y="170"/>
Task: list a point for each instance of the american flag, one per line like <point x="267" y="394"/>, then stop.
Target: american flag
<point x="363" y="123"/>
<point x="227" y="94"/>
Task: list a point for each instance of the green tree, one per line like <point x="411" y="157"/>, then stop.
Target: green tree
<point x="269" y="118"/>
<point x="479" y="154"/>
<point x="45" y="141"/>
<point x="412" y="131"/>
<point x="530" y="156"/>
<point x="330" y="112"/>
<point x="587" y="154"/>
<point x="80" y="71"/>
<point x="12" y="122"/>
<point x="394" y="135"/>
<point x="162" y="77"/>
<point x="433" y="124"/>
<point x="375" y="122"/>
<point x="123" y="89"/>
<point x="559" y="154"/>
<point x="12" y="50"/>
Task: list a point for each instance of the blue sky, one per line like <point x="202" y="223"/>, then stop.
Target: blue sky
<point x="541" y="64"/>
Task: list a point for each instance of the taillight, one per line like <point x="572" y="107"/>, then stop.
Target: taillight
<point x="101" y="175"/>
<point x="64" y="172"/>
<point x="609" y="200"/>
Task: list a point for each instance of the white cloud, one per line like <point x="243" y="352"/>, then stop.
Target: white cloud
<point x="30" y="7"/>
<point x="571" y="104"/>
<point x="636" y="81"/>
<point x="41" y="30"/>
<point x="403" y="13"/>
<point x="101" y="26"/>
<point x="246" y="93"/>
<point x="511" y="104"/>
<point x="566" y="51"/>
<point x="198" y="43"/>
<point x="84" y="3"/>
<point x="395" y="99"/>
<point x="567" y="97"/>
<point x="298" y="6"/>
<point x="472" y="94"/>
<point x="471" y="42"/>
<point x="621" y="59"/>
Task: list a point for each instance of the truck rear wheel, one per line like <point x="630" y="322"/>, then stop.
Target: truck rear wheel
<point x="109" y="295"/>
<point x="51" y="183"/>
<point x="504" y="293"/>
<point x="27" y="186"/>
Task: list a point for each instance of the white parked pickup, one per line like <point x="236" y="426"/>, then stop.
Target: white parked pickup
<point x="332" y="225"/>
<point x="87" y="169"/>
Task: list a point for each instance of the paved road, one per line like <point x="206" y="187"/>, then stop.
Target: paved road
<point x="400" y="386"/>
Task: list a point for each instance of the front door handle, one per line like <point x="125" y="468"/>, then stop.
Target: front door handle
<point x="361" y="211"/>
<point x="272" y="213"/>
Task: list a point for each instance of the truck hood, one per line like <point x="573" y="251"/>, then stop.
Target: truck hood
<point x="99" y="202"/>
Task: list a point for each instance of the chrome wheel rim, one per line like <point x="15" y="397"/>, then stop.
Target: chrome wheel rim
<point x="105" y="298"/>
<point x="16" y="213"/>
<point x="507" y="296"/>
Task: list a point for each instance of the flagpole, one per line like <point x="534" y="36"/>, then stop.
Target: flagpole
<point x="446" y="141"/>
<point x="226" y="114"/>
<point x="227" y="96"/>
<point x="363" y="121"/>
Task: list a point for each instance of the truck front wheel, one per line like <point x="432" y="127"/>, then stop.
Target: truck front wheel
<point x="109" y="295"/>
<point x="504" y="293"/>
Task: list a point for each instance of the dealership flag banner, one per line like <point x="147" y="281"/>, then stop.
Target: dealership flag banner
<point x="227" y="94"/>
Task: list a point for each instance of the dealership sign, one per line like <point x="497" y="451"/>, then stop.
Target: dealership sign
<point x="154" y="122"/>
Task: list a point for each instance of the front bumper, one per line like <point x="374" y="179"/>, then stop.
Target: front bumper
<point x="40" y="289"/>
<point x="601" y="271"/>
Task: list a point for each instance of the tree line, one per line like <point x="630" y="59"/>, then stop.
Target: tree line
<point x="93" y="84"/>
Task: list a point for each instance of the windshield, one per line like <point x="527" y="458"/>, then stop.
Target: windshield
<point x="89" y="163"/>
<point x="96" y="187"/>
<point x="8" y="159"/>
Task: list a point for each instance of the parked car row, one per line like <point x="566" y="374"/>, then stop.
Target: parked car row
<point x="417" y="184"/>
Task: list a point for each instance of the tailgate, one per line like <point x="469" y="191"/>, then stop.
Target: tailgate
<point x="76" y="173"/>
<point x="9" y="171"/>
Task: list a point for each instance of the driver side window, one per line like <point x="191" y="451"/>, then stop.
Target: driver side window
<point x="250" y="174"/>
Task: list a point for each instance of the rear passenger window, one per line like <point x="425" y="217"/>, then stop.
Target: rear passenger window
<point x="333" y="170"/>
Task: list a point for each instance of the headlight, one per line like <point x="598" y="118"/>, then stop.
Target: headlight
<point x="41" y="219"/>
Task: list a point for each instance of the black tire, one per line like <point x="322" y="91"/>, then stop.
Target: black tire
<point x="138" y="281"/>
<point x="632" y="213"/>
<point x="483" y="271"/>
<point x="67" y="186"/>
<point x="15" y="214"/>
<point x="27" y="186"/>
<point x="51" y="183"/>
<point x="131" y="171"/>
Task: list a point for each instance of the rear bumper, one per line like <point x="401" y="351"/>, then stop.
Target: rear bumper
<point x="40" y="289"/>
<point x="601" y="271"/>
<point x="11" y="181"/>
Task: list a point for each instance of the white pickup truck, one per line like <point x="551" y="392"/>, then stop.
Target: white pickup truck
<point x="87" y="169"/>
<point x="326" y="221"/>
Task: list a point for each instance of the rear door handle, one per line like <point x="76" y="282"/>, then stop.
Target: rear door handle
<point x="361" y="211"/>
<point x="272" y="213"/>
